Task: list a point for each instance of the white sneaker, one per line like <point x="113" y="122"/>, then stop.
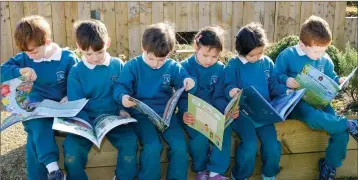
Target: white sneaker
<point x="268" y="178"/>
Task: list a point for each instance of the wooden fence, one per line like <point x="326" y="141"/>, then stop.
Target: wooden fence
<point x="126" y="21"/>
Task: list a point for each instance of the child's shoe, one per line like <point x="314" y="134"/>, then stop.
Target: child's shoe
<point x="233" y="178"/>
<point x="354" y="130"/>
<point x="114" y="178"/>
<point x="325" y="171"/>
<point x="218" y="177"/>
<point x="202" y="175"/>
<point x="56" y="175"/>
<point x="268" y="178"/>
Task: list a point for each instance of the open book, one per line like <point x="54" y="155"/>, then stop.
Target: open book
<point x="162" y="123"/>
<point x="102" y="125"/>
<point x="15" y="102"/>
<point x="209" y="121"/>
<point x="263" y="112"/>
<point x="320" y="88"/>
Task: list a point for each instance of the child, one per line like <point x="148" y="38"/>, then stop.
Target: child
<point x="252" y="68"/>
<point x="315" y="37"/>
<point x="47" y="65"/>
<point x="93" y="78"/>
<point x="204" y="67"/>
<point x="151" y="78"/>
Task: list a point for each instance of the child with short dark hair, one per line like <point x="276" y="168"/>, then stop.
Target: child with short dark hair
<point x="47" y="65"/>
<point x="151" y="78"/>
<point x="204" y="67"/>
<point x="252" y="68"/>
<point x="315" y="37"/>
<point x="93" y="78"/>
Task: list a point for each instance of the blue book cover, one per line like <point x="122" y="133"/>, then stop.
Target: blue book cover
<point x="262" y="112"/>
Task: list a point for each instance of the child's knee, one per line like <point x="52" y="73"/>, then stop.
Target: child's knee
<point x="153" y="148"/>
<point x="249" y="148"/>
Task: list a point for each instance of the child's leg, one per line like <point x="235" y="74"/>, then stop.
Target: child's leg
<point x="35" y="169"/>
<point x="43" y="138"/>
<point x="199" y="148"/>
<point x="270" y="150"/>
<point x="326" y="120"/>
<point x="125" y="140"/>
<point x="178" y="153"/>
<point x="245" y="154"/>
<point x="220" y="160"/>
<point x="152" y="147"/>
<point x="76" y="150"/>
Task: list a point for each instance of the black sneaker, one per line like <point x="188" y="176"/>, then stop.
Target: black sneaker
<point x="326" y="172"/>
<point x="354" y="133"/>
<point x="56" y="175"/>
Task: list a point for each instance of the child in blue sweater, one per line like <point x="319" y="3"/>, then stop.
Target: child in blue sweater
<point x="93" y="78"/>
<point x="151" y="78"/>
<point x="207" y="71"/>
<point x="47" y="65"/>
<point x="315" y="36"/>
<point x="252" y="68"/>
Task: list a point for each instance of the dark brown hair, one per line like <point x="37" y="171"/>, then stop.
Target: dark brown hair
<point x="315" y="31"/>
<point x="250" y="37"/>
<point x="91" y="34"/>
<point x="210" y="36"/>
<point x="31" y="29"/>
<point x="159" y="39"/>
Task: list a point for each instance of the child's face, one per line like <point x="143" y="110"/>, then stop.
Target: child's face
<point x="94" y="57"/>
<point x="207" y="56"/>
<point x="254" y="54"/>
<point x="313" y="52"/>
<point x="36" y="52"/>
<point x="153" y="61"/>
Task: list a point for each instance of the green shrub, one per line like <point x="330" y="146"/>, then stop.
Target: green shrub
<point x="275" y="49"/>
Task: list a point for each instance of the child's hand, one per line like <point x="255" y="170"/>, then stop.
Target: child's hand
<point x="288" y="91"/>
<point x="342" y="79"/>
<point x="292" y="83"/>
<point x="233" y="92"/>
<point x="64" y="99"/>
<point x="126" y="102"/>
<point x="236" y="114"/>
<point x="28" y="73"/>
<point x="189" y="83"/>
<point x="188" y="118"/>
<point x="124" y="114"/>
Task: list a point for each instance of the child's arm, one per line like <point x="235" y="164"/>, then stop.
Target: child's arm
<point x="71" y="61"/>
<point x="11" y="68"/>
<point x="329" y="70"/>
<point x="179" y="75"/>
<point x="218" y="99"/>
<point x="124" y="85"/>
<point x="230" y="82"/>
<point x="281" y="68"/>
<point x="275" y="87"/>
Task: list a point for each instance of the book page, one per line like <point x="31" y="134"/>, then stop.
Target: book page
<point x="231" y="108"/>
<point x="171" y="105"/>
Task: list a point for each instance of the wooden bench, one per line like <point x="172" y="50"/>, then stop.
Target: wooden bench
<point x="301" y="150"/>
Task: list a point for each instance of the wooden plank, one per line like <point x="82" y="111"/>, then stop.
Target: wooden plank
<point x="269" y="20"/>
<point x="71" y="15"/>
<point x="339" y="21"/>
<point x="121" y="9"/>
<point x="157" y="12"/>
<point x="30" y="8"/>
<point x="169" y="11"/>
<point x="329" y="10"/>
<point x="58" y="16"/>
<point x="84" y="10"/>
<point x="109" y="16"/>
<point x="215" y="13"/>
<point x="204" y="14"/>
<point x="259" y="11"/>
<point x="193" y="16"/>
<point x="248" y="15"/>
<point x="237" y="20"/>
<point x="134" y="29"/>
<point x="6" y="35"/>
<point x="282" y="20"/>
<point x="351" y="31"/>
<point x="318" y="7"/>
<point x="293" y="167"/>
<point x="227" y="22"/>
<point x="181" y="16"/>
<point x="294" y="18"/>
<point x="306" y="11"/>
<point x="16" y="13"/>
<point x="45" y="10"/>
<point x="145" y="15"/>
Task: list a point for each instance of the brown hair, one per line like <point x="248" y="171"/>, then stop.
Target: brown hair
<point x="250" y="37"/>
<point x="210" y="36"/>
<point x="315" y="31"/>
<point x="31" y="29"/>
<point x="159" y="39"/>
<point x="91" y="34"/>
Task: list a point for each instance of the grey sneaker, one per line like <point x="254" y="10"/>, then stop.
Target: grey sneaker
<point x="202" y="175"/>
<point x="56" y="175"/>
<point x="325" y="171"/>
<point x="218" y="177"/>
